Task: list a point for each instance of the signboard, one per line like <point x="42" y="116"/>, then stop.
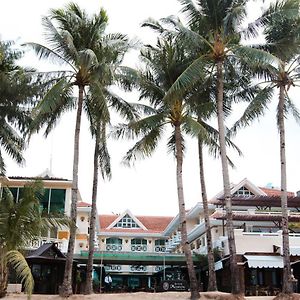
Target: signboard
<point x="174" y="285"/>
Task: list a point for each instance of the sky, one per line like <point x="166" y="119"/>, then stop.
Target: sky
<point x="149" y="188"/>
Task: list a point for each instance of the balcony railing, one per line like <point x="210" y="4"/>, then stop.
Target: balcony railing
<point x="35" y="244"/>
<point x="173" y="242"/>
<point x="113" y="247"/>
<point x="160" y="248"/>
<point x="139" y="248"/>
<point x="138" y="268"/>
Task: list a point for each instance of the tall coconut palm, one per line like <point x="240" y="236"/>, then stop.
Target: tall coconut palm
<point x="79" y="42"/>
<point x="205" y="97"/>
<point x="216" y="24"/>
<point x="163" y="64"/>
<point x="98" y="127"/>
<point x="21" y="222"/>
<point x="101" y="157"/>
<point x="281" y="23"/>
<point x="17" y="93"/>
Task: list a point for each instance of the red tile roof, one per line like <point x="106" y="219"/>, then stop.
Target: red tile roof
<point x="154" y="224"/>
<point x="275" y="192"/>
<point x="83" y="204"/>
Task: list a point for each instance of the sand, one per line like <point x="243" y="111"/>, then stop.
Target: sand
<point x="152" y="296"/>
<point x="138" y="296"/>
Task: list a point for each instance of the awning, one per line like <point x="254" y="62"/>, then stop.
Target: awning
<point x="264" y="261"/>
<point x="294" y="250"/>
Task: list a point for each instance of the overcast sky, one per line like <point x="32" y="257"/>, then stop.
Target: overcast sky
<point x="150" y="187"/>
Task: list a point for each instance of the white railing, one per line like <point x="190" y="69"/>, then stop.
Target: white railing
<point x="113" y="268"/>
<point x="113" y="247"/>
<point x="139" y="248"/>
<point x="35" y="244"/>
<point x="159" y="248"/>
<point x="138" y="268"/>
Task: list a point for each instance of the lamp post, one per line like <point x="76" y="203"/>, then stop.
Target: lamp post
<point x="101" y="266"/>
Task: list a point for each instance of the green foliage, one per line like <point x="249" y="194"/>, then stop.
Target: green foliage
<point x="19" y="89"/>
<point x="21" y="222"/>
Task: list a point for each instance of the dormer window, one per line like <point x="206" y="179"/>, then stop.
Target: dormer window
<point x="126" y="222"/>
<point x="243" y="192"/>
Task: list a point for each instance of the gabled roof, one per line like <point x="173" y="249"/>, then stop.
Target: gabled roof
<point x="152" y="224"/>
<point x="121" y="216"/>
<point x="235" y="187"/>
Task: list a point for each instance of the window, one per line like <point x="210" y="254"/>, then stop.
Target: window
<point x="160" y="242"/>
<point x="243" y="192"/>
<point x="126" y="222"/>
<point x="114" y="241"/>
<point x="51" y="200"/>
<point x="138" y="242"/>
<point x="57" y="200"/>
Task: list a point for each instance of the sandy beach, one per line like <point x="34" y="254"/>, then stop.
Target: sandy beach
<point x="137" y="296"/>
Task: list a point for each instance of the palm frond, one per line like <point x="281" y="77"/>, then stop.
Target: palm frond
<point x="255" y="109"/>
<point x="19" y="263"/>
<point x="194" y="73"/>
<point x="44" y="52"/>
<point x="57" y="100"/>
<point x="144" y="147"/>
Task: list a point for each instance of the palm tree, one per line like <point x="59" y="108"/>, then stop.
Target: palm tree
<point x="98" y="126"/>
<point x="282" y="33"/>
<point x="200" y="102"/>
<point x="101" y="157"/>
<point x="214" y="27"/>
<point x="164" y="63"/>
<point x="21" y="222"/>
<point x="17" y="93"/>
<point x="79" y="42"/>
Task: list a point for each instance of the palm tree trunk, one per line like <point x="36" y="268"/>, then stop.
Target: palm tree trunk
<point x="89" y="268"/>
<point x="287" y="287"/>
<point x="182" y="216"/>
<point x="3" y="273"/>
<point x="212" y="281"/>
<point x="235" y="283"/>
<point x="66" y="289"/>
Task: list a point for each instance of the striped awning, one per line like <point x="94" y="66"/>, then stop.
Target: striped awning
<point x="264" y="261"/>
